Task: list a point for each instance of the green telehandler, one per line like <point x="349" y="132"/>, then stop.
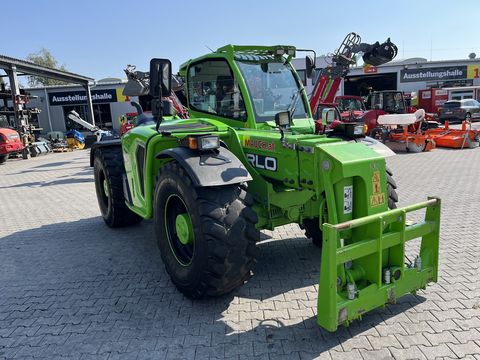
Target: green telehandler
<point x="249" y="159"/>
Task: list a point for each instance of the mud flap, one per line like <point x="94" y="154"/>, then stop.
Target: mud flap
<point x="368" y="270"/>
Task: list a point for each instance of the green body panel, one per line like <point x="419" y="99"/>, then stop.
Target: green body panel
<point x="381" y="247"/>
<point x="315" y="176"/>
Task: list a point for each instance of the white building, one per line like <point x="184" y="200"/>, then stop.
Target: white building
<point x="56" y="101"/>
<point x="409" y="75"/>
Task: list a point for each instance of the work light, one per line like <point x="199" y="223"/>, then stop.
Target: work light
<point x="205" y="142"/>
<point x="359" y="130"/>
<point x="208" y="142"/>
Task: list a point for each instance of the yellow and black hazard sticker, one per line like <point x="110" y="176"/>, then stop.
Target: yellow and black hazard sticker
<point x="378" y="197"/>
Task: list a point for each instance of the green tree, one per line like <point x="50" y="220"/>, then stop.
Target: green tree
<point x="45" y="58"/>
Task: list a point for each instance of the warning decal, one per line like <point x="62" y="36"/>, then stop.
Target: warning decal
<point x="378" y="197"/>
<point x="347" y="199"/>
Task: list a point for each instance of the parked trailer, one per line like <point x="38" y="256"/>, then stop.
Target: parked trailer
<point x="465" y="137"/>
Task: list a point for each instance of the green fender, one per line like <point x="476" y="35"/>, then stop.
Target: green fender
<point x="217" y="168"/>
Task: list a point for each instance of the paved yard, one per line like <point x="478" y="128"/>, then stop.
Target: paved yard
<point x="72" y="288"/>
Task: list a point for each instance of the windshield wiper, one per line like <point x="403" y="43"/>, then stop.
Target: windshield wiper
<point x="293" y="104"/>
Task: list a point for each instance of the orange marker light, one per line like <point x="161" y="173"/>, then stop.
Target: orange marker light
<point x="192" y="143"/>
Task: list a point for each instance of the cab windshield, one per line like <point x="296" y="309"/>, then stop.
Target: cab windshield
<point x="348" y="104"/>
<point x="273" y="88"/>
<point x="389" y="101"/>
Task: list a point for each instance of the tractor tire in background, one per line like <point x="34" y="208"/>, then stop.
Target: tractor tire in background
<point x="379" y="134"/>
<point x="206" y="236"/>
<point x="3" y="158"/>
<point x="25" y="153"/>
<point x="311" y="226"/>
<point x="108" y="170"/>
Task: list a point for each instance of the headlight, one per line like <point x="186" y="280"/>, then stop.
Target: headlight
<point x="358" y="130"/>
<point x="206" y="142"/>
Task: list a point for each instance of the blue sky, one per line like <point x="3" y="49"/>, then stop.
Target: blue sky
<point x="98" y="38"/>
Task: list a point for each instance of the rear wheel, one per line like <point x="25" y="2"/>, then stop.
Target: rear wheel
<point x="108" y="171"/>
<point x="3" y="158"/>
<point x="312" y="226"/>
<point x="206" y="235"/>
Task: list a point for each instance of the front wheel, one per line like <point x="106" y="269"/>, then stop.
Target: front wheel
<point x="206" y="236"/>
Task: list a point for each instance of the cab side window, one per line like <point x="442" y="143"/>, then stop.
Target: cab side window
<point x="213" y="89"/>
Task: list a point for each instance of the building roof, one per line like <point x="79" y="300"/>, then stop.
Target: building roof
<point x="423" y="62"/>
<point x="68" y="86"/>
<point x="30" y="68"/>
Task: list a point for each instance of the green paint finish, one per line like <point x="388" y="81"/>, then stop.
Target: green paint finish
<point x="314" y="176"/>
<point x="184" y="228"/>
<point x="364" y="262"/>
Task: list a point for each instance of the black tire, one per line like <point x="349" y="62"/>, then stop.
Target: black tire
<point x="312" y="228"/>
<point x="223" y="250"/>
<point x="391" y="189"/>
<point x="25" y="153"/>
<point x="108" y="169"/>
<point x="33" y="151"/>
<point x="313" y="231"/>
<point x="3" y="158"/>
<point x="379" y="134"/>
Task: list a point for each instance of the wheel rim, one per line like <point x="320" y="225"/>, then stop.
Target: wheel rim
<point x="179" y="230"/>
<point x="104" y="192"/>
<point x="105" y="188"/>
<point x="184" y="228"/>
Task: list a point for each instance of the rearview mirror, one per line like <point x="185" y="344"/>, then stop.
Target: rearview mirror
<point x="328" y="116"/>
<point x="160" y="77"/>
<point x="309" y="66"/>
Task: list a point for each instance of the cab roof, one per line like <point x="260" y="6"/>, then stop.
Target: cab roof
<point x="248" y="52"/>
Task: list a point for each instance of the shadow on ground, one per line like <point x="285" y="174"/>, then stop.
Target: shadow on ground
<point x="69" y="180"/>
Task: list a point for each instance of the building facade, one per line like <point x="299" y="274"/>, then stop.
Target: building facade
<point x="55" y="102"/>
<point x="410" y="75"/>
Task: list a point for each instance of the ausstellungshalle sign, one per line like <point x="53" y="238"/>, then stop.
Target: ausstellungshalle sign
<point x="80" y="97"/>
<point x="436" y="73"/>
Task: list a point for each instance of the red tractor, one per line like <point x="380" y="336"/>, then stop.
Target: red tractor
<point x="378" y="103"/>
<point x="351" y="107"/>
<point x="10" y="143"/>
<point x="329" y="79"/>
